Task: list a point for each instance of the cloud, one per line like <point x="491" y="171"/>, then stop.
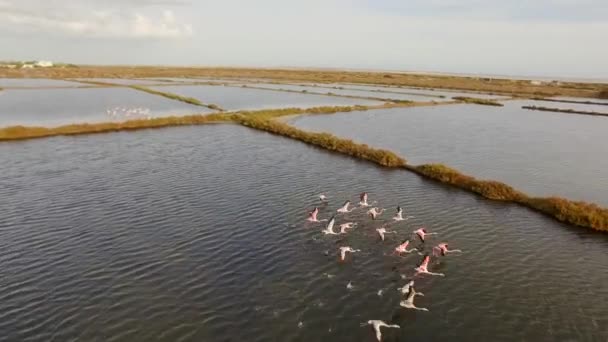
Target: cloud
<point x="123" y="20"/>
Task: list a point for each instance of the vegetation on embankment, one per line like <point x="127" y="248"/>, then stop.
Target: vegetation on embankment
<point x="578" y="213"/>
<point x="478" y="101"/>
<point x="479" y="84"/>
<point x="571" y="101"/>
<point x="323" y="140"/>
<point x="603" y="94"/>
<point x="22" y="133"/>
<point x="305" y="91"/>
<point x="172" y="96"/>
<point x="567" y="111"/>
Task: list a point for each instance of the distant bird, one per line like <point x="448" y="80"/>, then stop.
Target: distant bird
<point x="350" y="286"/>
<point x="406" y="288"/>
<point x="377" y="324"/>
<point x="422" y="233"/>
<point x="323" y="198"/>
<point x="375" y="212"/>
<point x="402" y="248"/>
<point x="423" y="267"/>
<point x="381" y="231"/>
<point x="399" y="215"/>
<point x="312" y="216"/>
<point x="408" y="303"/>
<point x="345" y="249"/>
<point x="344" y="208"/>
<point x="442" y="249"/>
<point x="347" y="225"/>
<point x="363" y="199"/>
<point x="329" y="228"/>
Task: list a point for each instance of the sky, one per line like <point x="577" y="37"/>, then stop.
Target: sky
<point x="565" y="38"/>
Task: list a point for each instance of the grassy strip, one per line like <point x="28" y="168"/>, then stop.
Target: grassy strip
<point x="21" y="132"/>
<point x="475" y="100"/>
<point x="578" y="213"/>
<point x="304" y="91"/>
<point x="570" y="101"/>
<point x="567" y="111"/>
<point x="323" y="140"/>
<point x="172" y="96"/>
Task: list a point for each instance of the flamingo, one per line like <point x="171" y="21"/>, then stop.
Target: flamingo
<point x="345" y="249"/>
<point x="377" y="324"/>
<point x="422" y="233"/>
<point x="375" y="212"/>
<point x="423" y="267"/>
<point x="408" y="303"/>
<point x="381" y="231"/>
<point x="442" y="249"/>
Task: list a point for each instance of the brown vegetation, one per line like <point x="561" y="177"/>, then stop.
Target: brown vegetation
<point x="475" y="100"/>
<point x="172" y="96"/>
<point x="571" y="101"/>
<point x="567" y="111"/>
<point x="488" y="189"/>
<point x="324" y="140"/>
<point x="578" y="213"/>
<point x="603" y="94"/>
<point x="21" y="132"/>
<point x="499" y="86"/>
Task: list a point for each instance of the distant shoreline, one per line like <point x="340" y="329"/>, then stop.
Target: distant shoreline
<point x="510" y="87"/>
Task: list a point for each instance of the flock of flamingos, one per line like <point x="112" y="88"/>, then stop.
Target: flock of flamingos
<point x="408" y="291"/>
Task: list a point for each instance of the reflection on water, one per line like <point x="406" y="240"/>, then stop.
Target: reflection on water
<point x="542" y="153"/>
<point x="53" y="107"/>
<point x="199" y="234"/>
<point x="236" y="98"/>
<point x="35" y="83"/>
<point x="350" y="92"/>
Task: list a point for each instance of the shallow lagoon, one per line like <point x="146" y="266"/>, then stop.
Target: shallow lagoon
<point x="54" y="107"/>
<point x="35" y="83"/>
<point x="349" y="92"/>
<point x="145" y="236"/>
<point x="238" y="98"/>
<point x="542" y="153"/>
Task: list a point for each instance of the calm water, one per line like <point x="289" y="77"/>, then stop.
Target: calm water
<point x="122" y="81"/>
<point x="349" y="92"/>
<point x="35" y="83"/>
<point x="561" y="105"/>
<point x="411" y="90"/>
<point x="198" y="234"/>
<point x="191" y="79"/>
<point x="52" y="107"/>
<point x="581" y="99"/>
<point x="542" y="153"/>
<point x="237" y="98"/>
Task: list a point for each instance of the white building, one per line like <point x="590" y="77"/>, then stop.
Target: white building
<point x="27" y="66"/>
<point x="44" y="64"/>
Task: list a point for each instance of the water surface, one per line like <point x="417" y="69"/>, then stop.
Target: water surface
<point x="53" y="107"/>
<point x="35" y="83"/>
<point x="237" y="98"/>
<point x="448" y="94"/>
<point x="542" y="153"/>
<point x="121" y="81"/>
<point x="351" y="92"/>
<point x="198" y="234"/>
